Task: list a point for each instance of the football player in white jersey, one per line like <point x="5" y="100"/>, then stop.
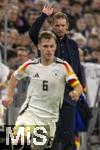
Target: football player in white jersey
<point x="48" y="76"/>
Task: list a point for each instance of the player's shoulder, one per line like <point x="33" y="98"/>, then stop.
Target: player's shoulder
<point x="65" y="64"/>
<point x="29" y="62"/>
<point x="34" y="61"/>
<point x="60" y="61"/>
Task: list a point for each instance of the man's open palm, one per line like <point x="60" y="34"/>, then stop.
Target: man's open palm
<point x="47" y="9"/>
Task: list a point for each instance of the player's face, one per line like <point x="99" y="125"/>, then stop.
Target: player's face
<point x="60" y="27"/>
<point x="47" y="48"/>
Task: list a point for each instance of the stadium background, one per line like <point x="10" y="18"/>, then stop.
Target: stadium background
<point x="16" y="17"/>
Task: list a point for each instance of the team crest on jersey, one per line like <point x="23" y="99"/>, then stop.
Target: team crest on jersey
<point x="56" y="73"/>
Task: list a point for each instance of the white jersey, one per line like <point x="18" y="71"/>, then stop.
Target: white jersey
<point x="46" y="88"/>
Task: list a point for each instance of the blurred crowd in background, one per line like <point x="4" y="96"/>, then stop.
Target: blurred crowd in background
<point x="84" y="17"/>
<point x="16" y="47"/>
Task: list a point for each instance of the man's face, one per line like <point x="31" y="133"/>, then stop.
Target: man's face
<point x="60" y="27"/>
<point x="22" y="56"/>
<point x="47" y="48"/>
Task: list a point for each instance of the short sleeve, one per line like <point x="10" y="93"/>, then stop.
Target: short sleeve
<point x="71" y="77"/>
<point x="22" y="71"/>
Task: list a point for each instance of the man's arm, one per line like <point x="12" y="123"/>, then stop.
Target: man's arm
<point x="37" y="25"/>
<point x="6" y="101"/>
<point x="73" y="81"/>
<point x="19" y="74"/>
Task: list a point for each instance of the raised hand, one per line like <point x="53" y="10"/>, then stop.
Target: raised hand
<point x="47" y="9"/>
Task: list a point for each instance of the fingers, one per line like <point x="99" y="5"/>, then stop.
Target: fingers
<point x="6" y="102"/>
<point x="48" y="9"/>
<point x="74" y="95"/>
<point x="49" y="6"/>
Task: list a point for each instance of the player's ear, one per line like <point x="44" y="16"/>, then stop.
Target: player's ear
<point x="38" y="47"/>
<point x="67" y="25"/>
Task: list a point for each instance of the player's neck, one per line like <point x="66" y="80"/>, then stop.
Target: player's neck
<point x="47" y="62"/>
